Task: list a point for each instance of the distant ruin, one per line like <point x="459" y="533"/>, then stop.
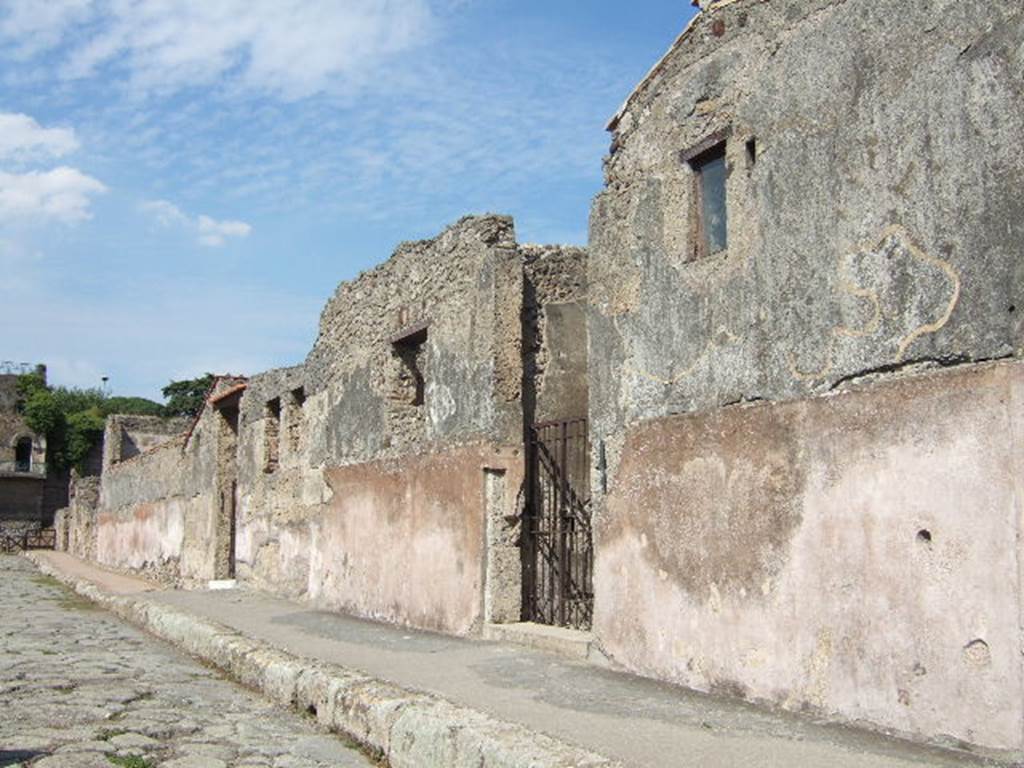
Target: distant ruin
<point x="30" y="493"/>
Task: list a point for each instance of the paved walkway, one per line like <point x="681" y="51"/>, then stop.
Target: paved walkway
<point x="637" y="721"/>
<point x="82" y="689"/>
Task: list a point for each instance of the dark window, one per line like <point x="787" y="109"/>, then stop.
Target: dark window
<point x="23" y="455"/>
<point x="271" y="434"/>
<point x="712" y="213"/>
<point x="409" y="346"/>
<point x="298" y="398"/>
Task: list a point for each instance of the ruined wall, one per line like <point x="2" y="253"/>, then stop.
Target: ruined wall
<point x="13" y="429"/>
<point x="554" y="332"/>
<point x="362" y="479"/>
<point x="158" y="510"/>
<point x="126" y="436"/>
<point x="873" y="227"/>
<point x="75" y="525"/>
<point x="21" y="499"/>
<point x="21" y="488"/>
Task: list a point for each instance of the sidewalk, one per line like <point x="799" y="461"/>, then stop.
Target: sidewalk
<point x="627" y="719"/>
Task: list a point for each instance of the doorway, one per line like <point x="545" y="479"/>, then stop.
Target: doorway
<point x="558" y="552"/>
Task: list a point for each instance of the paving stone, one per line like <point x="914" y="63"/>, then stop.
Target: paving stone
<point x="82" y="760"/>
<point x="84" y="685"/>
<point x="194" y="761"/>
<point x="133" y="740"/>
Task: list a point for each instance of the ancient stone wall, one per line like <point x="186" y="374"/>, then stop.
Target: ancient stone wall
<point x="12" y="431"/>
<point x="554" y="333"/>
<point x="466" y="285"/>
<point x="158" y="510"/>
<point x="126" y="436"/>
<point x="815" y="551"/>
<point x="22" y="462"/>
<point x="384" y="476"/>
<point x="21" y="499"/>
<point x="75" y="525"/>
<point x="868" y="226"/>
<point x="362" y="473"/>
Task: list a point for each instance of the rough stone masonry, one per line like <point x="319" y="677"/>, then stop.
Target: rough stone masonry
<point x="795" y="337"/>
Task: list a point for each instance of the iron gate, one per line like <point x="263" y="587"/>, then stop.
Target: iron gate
<point x="23" y="541"/>
<point x="558" y="554"/>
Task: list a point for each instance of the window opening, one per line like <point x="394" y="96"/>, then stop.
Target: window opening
<point x="23" y="455"/>
<point x="295" y="418"/>
<point x="410" y="348"/>
<point x="271" y="433"/>
<point x="710" y="174"/>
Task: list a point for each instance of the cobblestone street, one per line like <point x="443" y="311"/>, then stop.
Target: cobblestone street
<point x="81" y="689"/>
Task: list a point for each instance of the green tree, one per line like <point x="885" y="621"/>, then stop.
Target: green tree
<point x="72" y="418"/>
<point x="139" y="406"/>
<point x="187" y="397"/>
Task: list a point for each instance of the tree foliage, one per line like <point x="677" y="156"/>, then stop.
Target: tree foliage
<point x="72" y="418"/>
<point x="187" y="397"/>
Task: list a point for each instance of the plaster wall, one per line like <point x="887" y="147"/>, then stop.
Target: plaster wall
<point x="388" y="529"/>
<point x="874" y="231"/>
<point x="876" y="225"/>
<point x="856" y="554"/>
<point x="158" y="509"/>
<point x="355" y="497"/>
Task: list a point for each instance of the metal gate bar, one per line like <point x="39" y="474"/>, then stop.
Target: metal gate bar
<point x="45" y="538"/>
<point x="558" y="556"/>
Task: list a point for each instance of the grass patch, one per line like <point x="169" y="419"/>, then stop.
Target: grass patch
<point x="47" y="581"/>
<point x="66" y="598"/>
<point x="130" y="761"/>
<point x="75" y="602"/>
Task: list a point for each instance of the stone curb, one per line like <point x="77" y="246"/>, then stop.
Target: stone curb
<point x="408" y="728"/>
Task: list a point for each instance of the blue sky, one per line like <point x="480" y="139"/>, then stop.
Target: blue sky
<point x="183" y="183"/>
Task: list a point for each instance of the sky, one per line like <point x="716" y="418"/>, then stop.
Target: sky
<point x="183" y="183"/>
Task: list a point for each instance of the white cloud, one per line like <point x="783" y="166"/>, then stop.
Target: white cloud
<point x="214" y="233"/>
<point x="210" y="232"/>
<point x="165" y="213"/>
<point x="62" y="194"/>
<point x="34" y="26"/>
<point x="291" y="47"/>
<point x="22" y="137"/>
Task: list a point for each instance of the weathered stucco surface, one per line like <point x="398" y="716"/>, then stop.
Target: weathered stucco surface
<point x="158" y="510"/>
<point x="393" y="526"/>
<point x="856" y="554"/>
<point x="128" y="436"/>
<point x="554" y="333"/>
<point x="875" y="226"/>
<point x="75" y="524"/>
<point x="354" y="493"/>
